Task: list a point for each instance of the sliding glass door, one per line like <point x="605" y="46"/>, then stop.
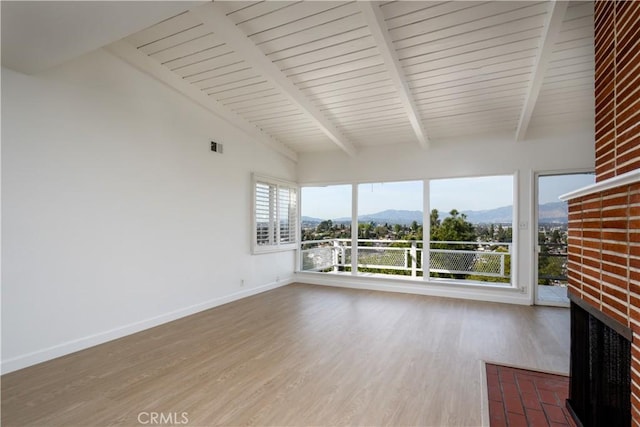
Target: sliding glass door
<point x="551" y="248"/>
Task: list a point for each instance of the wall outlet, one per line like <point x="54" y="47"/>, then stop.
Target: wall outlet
<point x="242" y="283"/>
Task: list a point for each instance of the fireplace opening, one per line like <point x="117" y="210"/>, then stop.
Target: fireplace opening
<point x="600" y="377"/>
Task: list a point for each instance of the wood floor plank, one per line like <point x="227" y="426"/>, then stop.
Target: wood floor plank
<point x="297" y="355"/>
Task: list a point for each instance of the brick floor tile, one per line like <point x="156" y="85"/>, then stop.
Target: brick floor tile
<point x="497" y="417"/>
<point x="554" y="413"/>
<point x="492" y="379"/>
<point x="516" y="420"/>
<point x="525" y="377"/>
<point x="550" y="384"/>
<point x="495" y="393"/>
<point x="491" y="369"/>
<point x="509" y="388"/>
<point x="498" y="423"/>
<point x="513" y="404"/>
<point x="506" y="376"/>
<point x="536" y="418"/>
<point x="526" y="386"/>
<point x="531" y="401"/>
<point x="549" y="397"/>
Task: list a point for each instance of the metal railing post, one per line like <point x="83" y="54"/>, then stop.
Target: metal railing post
<point x="334" y="255"/>
<point x="426" y="258"/>
<point x="413" y="256"/>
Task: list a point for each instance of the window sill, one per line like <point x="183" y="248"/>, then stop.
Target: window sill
<point x="258" y="250"/>
<point x="504" y="293"/>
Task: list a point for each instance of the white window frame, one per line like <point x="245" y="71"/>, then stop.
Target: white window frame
<point x="275" y="210"/>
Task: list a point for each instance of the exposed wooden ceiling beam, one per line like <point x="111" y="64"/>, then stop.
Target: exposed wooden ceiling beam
<point x="375" y="21"/>
<point x="553" y="24"/>
<point x="148" y="65"/>
<point x="214" y="17"/>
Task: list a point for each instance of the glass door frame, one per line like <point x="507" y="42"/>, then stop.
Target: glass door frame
<point x="535" y="227"/>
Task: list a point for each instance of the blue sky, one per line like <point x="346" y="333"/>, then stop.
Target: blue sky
<point x="473" y="194"/>
<point x="477" y="193"/>
<point x="552" y="186"/>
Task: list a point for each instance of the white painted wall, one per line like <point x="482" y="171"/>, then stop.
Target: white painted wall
<point x="115" y="215"/>
<point x="568" y="149"/>
<point x="454" y="158"/>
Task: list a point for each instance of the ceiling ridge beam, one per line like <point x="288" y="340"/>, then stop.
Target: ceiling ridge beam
<point x="213" y="16"/>
<point x="552" y="26"/>
<point x="144" y="63"/>
<point x="375" y="21"/>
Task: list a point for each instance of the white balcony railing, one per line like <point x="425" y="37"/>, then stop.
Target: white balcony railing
<point x="483" y="259"/>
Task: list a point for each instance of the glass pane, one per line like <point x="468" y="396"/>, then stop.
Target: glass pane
<point x="471" y="226"/>
<point x="325" y="227"/>
<point x="552" y="234"/>
<point x="390" y="228"/>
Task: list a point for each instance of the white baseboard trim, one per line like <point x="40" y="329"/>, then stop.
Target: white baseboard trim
<point x="412" y="286"/>
<point x="65" y="348"/>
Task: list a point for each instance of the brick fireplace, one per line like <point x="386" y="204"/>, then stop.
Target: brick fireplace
<point x="604" y="220"/>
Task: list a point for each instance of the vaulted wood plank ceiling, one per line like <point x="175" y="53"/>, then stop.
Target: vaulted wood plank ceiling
<point x="309" y="76"/>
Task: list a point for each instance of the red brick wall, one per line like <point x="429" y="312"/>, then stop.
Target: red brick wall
<point x="617" y="38"/>
<point x="604" y="252"/>
<point x="604" y="227"/>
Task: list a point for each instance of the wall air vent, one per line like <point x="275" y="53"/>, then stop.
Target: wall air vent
<point x="216" y="147"/>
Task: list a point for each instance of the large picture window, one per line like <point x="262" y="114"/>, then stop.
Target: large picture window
<point x="470" y="223"/>
<point x="275" y="215"/>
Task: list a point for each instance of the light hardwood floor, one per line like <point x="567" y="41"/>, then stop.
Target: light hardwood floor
<point x="297" y="355"/>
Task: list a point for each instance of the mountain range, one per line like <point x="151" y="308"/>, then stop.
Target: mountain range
<point x="555" y="212"/>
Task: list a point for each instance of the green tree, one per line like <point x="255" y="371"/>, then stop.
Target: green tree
<point x="504" y="234"/>
<point x="484" y="233"/>
<point x="550" y="259"/>
<point x="324" y="226"/>
<point x="454" y="228"/>
<point x="381" y="231"/>
<point x="434" y="221"/>
<point x="366" y="230"/>
<point x="550" y="265"/>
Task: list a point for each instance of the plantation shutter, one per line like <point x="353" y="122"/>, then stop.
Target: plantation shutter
<point x="287" y="214"/>
<point x="275" y="215"/>
<point x="265" y="209"/>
